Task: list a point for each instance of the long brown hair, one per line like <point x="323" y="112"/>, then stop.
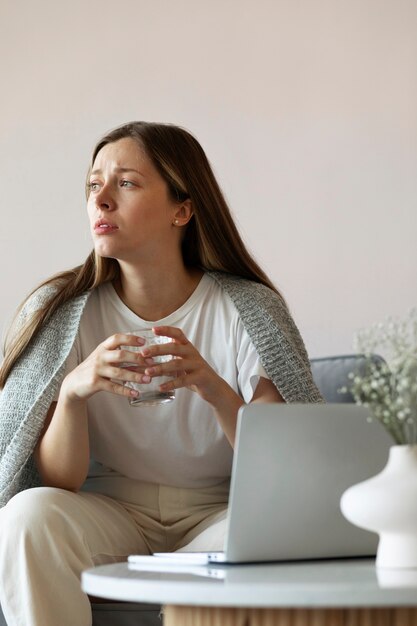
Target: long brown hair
<point x="211" y="240"/>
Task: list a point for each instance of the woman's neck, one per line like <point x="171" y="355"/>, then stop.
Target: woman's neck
<point x="156" y="294"/>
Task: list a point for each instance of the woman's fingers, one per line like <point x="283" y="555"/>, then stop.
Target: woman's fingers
<point x="183" y="380"/>
<point x="186" y="368"/>
<point x="114" y="342"/>
<point x="171" y="331"/>
<point x="104" y="370"/>
<point x="174" y="366"/>
<point x="116" y="388"/>
<point x="128" y="358"/>
<point x="124" y="374"/>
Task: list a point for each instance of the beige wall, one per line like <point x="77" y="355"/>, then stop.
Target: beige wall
<point x="307" y="110"/>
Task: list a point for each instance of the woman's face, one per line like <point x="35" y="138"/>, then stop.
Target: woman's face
<point x="131" y="213"/>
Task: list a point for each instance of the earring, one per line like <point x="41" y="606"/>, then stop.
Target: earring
<point x="176" y="222"/>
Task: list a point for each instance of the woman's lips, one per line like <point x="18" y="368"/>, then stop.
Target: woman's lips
<point x="103" y="227"/>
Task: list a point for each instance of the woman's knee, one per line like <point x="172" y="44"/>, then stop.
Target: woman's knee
<point x="209" y="537"/>
<point x="33" y="510"/>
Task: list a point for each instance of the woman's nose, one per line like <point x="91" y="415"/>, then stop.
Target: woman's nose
<point x="104" y="199"/>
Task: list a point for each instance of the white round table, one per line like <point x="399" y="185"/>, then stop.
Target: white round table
<point x="319" y="593"/>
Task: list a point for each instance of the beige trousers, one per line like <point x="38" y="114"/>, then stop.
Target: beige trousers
<point x="49" y="536"/>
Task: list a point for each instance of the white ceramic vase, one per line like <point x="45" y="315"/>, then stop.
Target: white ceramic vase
<point x="387" y="504"/>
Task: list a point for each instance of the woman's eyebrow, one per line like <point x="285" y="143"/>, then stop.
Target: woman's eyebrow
<point x="119" y="170"/>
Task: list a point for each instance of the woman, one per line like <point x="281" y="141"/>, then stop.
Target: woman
<point x="167" y="256"/>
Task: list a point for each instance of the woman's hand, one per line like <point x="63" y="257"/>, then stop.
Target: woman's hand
<point x="106" y="370"/>
<point x="187" y="368"/>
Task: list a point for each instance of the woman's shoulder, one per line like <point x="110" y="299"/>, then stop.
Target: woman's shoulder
<point x="43" y="295"/>
<point x="248" y="292"/>
<point x="261" y="308"/>
<point x="38" y="298"/>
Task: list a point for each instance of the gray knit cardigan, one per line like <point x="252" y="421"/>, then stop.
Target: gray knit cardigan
<point x="37" y="375"/>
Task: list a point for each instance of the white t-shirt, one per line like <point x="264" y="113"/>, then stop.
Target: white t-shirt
<point x="179" y="443"/>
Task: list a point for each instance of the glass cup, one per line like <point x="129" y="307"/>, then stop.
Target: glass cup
<point x="149" y="393"/>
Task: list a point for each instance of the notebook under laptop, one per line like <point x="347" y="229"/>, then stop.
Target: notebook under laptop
<point x="291" y="465"/>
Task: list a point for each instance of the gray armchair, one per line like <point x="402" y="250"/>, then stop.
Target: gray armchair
<point x="330" y="374"/>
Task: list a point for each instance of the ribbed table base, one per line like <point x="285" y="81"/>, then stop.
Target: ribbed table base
<point x="209" y="616"/>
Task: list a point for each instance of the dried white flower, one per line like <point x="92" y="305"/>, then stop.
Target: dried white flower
<point x="389" y="389"/>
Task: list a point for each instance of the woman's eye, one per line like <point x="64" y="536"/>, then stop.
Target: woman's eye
<point x="126" y="183"/>
<point x="93" y="186"/>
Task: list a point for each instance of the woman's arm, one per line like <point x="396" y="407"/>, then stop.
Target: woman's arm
<point x="229" y="403"/>
<point x="62" y="452"/>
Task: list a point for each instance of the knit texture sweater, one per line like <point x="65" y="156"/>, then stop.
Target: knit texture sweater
<point x="37" y="375"/>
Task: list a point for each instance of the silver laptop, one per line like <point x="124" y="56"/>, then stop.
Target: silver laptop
<point x="291" y="465"/>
